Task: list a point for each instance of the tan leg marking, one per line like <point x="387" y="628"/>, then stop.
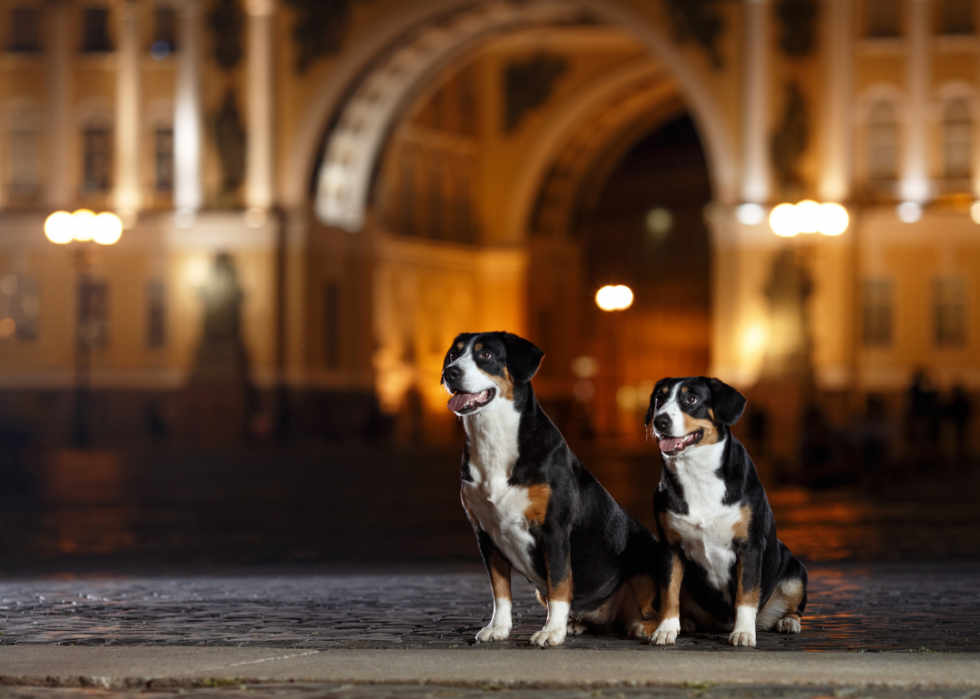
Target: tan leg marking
<point x="663" y="632"/>
<point x="500" y="575"/>
<point x="538" y="497"/>
<point x="542" y="599"/>
<point x="672" y="535"/>
<point x="743" y="597"/>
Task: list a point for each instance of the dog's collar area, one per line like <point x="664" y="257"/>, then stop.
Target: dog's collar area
<point x="672" y="446"/>
<point x="466" y="403"/>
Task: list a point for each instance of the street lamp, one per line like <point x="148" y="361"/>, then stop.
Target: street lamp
<point x="808" y="216"/>
<point x="85" y="227"/>
<point x="614" y="298"/>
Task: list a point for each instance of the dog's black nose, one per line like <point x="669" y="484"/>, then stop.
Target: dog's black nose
<point x="453" y="373"/>
<point x="662" y="422"/>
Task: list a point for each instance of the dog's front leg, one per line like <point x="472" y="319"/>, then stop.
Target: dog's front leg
<point x="748" y="578"/>
<point x="559" y="566"/>
<point x="670" y="601"/>
<point x="498" y="568"/>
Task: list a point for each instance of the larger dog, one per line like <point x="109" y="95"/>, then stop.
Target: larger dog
<point x="713" y="514"/>
<point x="534" y="507"/>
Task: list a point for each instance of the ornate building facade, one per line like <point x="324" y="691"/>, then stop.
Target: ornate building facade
<point x="378" y="176"/>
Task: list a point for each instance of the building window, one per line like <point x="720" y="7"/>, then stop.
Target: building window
<point x="164" y="32"/>
<point x="20" y="307"/>
<point x="164" y="159"/>
<point x="331" y="325"/>
<point x="24" y="175"/>
<point x="877" y="312"/>
<point x="97" y="159"/>
<point x="882" y="18"/>
<point x="956" y="139"/>
<point x="957" y="16"/>
<point x="93" y="313"/>
<point x="95" y="30"/>
<point x="25" y="30"/>
<point x="949" y="304"/>
<point x="156" y="316"/>
<point x="882" y="142"/>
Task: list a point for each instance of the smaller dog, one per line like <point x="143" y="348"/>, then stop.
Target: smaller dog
<point x="533" y="505"/>
<point x="713" y="514"/>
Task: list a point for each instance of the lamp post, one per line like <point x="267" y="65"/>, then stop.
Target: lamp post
<point x="612" y="299"/>
<point x="90" y="231"/>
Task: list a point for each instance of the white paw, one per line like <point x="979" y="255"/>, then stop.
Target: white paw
<point x="549" y="637"/>
<point x="666" y="633"/>
<point x="788" y="625"/>
<point x="574" y="628"/>
<point x="493" y="633"/>
<point x="688" y="626"/>
<point x="742" y="638"/>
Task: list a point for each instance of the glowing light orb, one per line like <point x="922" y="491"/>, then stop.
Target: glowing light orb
<point x="59" y="227"/>
<point x="614" y="298"/>
<point x="833" y="219"/>
<point x="783" y="221"/>
<point x="107" y="229"/>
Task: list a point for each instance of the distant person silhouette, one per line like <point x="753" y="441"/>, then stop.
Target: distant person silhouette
<point x="958" y="412"/>
<point x="923" y="420"/>
<point x="874" y="437"/>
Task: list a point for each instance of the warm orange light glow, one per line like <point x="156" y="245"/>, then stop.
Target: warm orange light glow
<point x="83" y="222"/>
<point x="59" y="227"/>
<point x="783" y="221"/>
<point x="108" y="229"/>
<point x="614" y="298"/>
<point x="833" y="219"/>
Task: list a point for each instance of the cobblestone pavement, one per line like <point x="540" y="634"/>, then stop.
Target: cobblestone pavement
<point x="322" y="691"/>
<point x="887" y="607"/>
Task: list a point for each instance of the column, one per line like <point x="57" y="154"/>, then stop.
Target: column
<point x="127" y="194"/>
<point x="755" y="103"/>
<point x="915" y="175"/>
<point x="58" y="193"/>
<point x="838" y="41"/>
<point x="188" y="128"/>
<point x="258" y="156"/>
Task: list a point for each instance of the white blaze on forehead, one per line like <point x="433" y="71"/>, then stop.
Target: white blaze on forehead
<point x="672" y="408"/>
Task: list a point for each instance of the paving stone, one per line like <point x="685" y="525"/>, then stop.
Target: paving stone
<point x="910" y="607"/>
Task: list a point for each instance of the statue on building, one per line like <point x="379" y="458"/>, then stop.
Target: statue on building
<point x="229" y="133"/>
<point x="218" y="399"/>
<point x="788" y="291"/>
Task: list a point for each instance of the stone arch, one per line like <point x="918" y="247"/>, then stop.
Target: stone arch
<point x="365" y="115"/>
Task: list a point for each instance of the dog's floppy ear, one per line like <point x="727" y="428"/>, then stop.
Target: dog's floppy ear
<point x="523" y="357"/>
<point x="729" y="403"/>
<point x="653" y="399"/>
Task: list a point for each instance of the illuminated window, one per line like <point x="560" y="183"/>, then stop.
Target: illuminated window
<point x="97" y="159"/>
<point x="331" y="324"/>
<point x="156" y="315"/>
<point x="25" y="30"/>
<point x="956" y="139"/>
<point x="20" y="307"/>
<point x="882" y="142"/>
<point x="877" y="312"/>
<point x="957" y="17"/>
<point x="93" y="313"/>
<point x="24" y="153"/>
<point x="949" y="311"/>
<point x="164" y="159"/>
<point x="95" y="30"/>
<point x="882" y="18"/>
<point x="164" y="31"/>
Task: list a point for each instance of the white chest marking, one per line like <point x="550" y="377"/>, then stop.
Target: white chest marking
<point x="708" y="528"/>
<point x="498" y="507"/>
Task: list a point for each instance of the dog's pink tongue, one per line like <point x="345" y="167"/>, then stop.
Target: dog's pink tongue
<point x="670" y="443"/>
<point x="460" y="400"/>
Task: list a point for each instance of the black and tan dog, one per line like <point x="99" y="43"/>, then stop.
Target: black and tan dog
<point x="714" y="517"/>
<point x="533" y="505"/>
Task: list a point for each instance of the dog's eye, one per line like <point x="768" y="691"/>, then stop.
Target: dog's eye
<point x="485" y="354"/>
<point x="691" y="399"/>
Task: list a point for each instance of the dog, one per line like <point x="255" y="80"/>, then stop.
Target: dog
<point x="714" y="517"/>
<point x="534" y="507"/>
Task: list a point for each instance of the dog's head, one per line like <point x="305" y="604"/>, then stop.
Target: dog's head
<point x="692" y="412"/>
<point x="482" y="369"/>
